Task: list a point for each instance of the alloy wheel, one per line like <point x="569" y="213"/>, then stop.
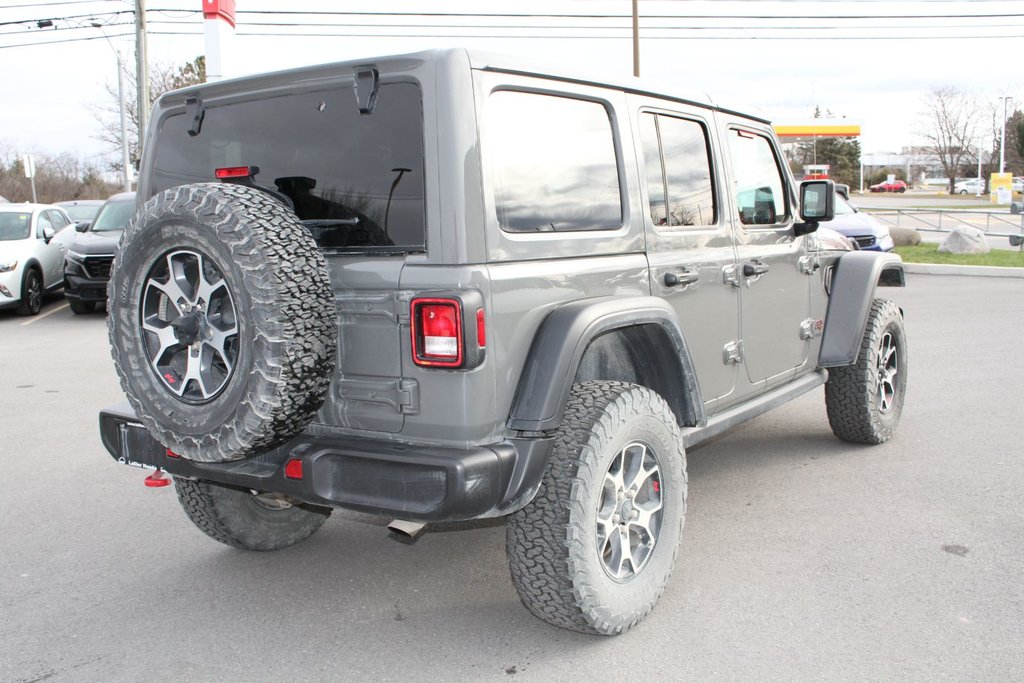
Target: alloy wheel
<point x="888" y="372"/>
<point x="629" y="512"/>
<point x="189" y="325"/>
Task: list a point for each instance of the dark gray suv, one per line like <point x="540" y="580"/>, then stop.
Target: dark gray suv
<point x="451" y="286"/>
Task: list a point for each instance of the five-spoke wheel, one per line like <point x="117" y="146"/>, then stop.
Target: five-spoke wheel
<point x="189" y="325"/>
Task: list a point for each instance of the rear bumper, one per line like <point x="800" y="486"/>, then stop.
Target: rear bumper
<point x="423" y="483"/>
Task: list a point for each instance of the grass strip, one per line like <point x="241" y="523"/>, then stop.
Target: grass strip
<point x="929" y="253"/>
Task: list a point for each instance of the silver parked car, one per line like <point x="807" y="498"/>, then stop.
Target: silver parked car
<point x="33" y="241"/>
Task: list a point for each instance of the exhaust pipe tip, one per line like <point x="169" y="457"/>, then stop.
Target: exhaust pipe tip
<point x="405" y="530"/>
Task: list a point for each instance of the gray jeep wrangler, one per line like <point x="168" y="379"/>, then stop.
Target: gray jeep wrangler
<point x="452" y="286"/>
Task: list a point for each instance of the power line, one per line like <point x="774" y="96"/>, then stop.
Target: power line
<point x="520" y="15"/>
<point x="583" y="37"/>
<point x="69" y="40"/>
<point x="49" y="4"/>
<point x="36" y="20"/>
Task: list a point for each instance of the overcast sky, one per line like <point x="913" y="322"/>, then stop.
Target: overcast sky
<point x="858" y="60"/>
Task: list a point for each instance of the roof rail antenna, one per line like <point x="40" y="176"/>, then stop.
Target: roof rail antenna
<point x="366" y="86"/>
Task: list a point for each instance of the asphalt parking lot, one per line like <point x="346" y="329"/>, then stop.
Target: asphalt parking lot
<point x="803" y="559"/>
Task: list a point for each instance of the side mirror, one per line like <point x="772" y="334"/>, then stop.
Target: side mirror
<point x="83" y="226"/>
<point x="48" y="234"/>
<point x="817" y="204"/>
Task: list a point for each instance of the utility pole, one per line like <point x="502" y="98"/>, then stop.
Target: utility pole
<point x="636" y="38"/>
<point x="125" y="173"/>
<point x="141" y="71"/>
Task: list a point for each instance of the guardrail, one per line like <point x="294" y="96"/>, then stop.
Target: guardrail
<point x="944" y="220"/>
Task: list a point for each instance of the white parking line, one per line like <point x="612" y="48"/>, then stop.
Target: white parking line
<point x="40" y="317"/>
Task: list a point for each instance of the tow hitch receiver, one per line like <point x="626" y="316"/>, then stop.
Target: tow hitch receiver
<point x="157" y="479"/>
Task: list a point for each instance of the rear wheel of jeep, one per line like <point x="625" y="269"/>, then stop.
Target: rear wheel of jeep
<point x="595" y="548"/>
<point x="864" y="400"/>
<point x="247" y="519"/>
<point x="222" y="321"/>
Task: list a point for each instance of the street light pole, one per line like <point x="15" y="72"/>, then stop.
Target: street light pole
<point x="126" y="177"/>
<point x="1002" y="137"/>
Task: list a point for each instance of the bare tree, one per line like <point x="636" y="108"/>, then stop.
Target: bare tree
<point x="58" y="177"/>
<point x="162" y="78"/>
<point x="950" y="124"/>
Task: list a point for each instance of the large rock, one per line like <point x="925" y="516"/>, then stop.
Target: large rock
<point x="905" y="237"/>
<point x="965" y="240"/>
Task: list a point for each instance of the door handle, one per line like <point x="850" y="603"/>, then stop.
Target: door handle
<point x="687" y="277"/>
<point x="753" y="269"/>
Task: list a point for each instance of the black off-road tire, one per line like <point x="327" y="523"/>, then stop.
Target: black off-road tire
<point x="241" y="519"/>
<point x="31" y="293"/>
<point x="79" y="307"/>
<point x="553" y="543"/>
<point x="283" y="312"/>
<point x="864" y="401"/>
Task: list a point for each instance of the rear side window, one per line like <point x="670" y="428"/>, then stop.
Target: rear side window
<point x="760" y="189"/>
<point x="678" y="170"/>
<point x="553" y="163"/>
<point x="355" y="181"/>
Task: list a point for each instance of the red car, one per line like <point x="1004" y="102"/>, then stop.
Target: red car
<point x="894" y="186"/>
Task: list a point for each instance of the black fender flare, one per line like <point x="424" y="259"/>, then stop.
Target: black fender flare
<point x="856" y="275"/>
<point x="563" y="338"/>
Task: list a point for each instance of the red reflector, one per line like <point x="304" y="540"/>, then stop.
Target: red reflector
<point x="293" y="469"/>
<point x="481" y="329"/>
<point x="156" y="480"/>
<point x="172" y="454"/>
<point x="235" y="172"/>
<point x="437" y="332"/>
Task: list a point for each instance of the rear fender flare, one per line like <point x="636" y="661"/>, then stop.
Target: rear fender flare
<point x="563" y="338"/>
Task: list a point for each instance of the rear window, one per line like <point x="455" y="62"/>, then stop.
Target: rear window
<point x="355" y="181"/>
<point x="553" y="163"/>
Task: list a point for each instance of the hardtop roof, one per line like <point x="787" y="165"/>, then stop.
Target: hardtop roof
<point x="477" y="59"/>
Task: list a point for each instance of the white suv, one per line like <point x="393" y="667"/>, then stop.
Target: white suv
<point x="32" y="245"/>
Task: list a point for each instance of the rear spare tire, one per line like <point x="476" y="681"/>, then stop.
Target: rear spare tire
<point x="222" y="321"/>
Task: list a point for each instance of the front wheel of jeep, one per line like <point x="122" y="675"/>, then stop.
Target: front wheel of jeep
<point x="864" y="400"/>
<point x="245" y="519"/>
<point x="595" y="548"/>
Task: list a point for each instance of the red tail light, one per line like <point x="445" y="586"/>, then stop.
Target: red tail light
<point x="437" y="332"/>
<point x="235" y="172"/>
<point x="481" y="329"/>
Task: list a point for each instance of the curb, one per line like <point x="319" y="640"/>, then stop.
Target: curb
<point x="974" y="271"/>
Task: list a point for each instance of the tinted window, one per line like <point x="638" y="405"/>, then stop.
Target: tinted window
<point x="760" y="190"/>
<point x="357" y="181"/>
<point x="114" y="216"/>
<point x="678" y="169"/>
<point x="553" y="163"/>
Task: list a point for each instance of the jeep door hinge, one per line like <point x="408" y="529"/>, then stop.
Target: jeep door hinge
<point x="811" y="328"/>
<point x="808" y="264"/>
<point x="731" y="275"/>
<point x="732" y="354"/>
